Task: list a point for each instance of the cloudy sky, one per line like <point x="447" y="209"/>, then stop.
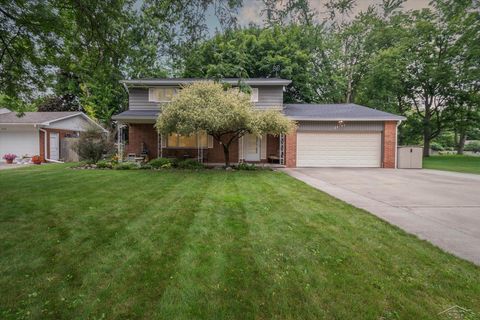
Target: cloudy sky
<point x="251" y="10"/>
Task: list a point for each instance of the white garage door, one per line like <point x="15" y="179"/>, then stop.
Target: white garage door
<point x="320" y="149"/>
<point x="19" y="142"/>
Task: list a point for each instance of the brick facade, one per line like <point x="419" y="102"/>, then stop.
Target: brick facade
<point x="142" y="133"/>
<point x="291" y="150"/>
<point x="389" y="144"/>
<point x="146" y="133"/>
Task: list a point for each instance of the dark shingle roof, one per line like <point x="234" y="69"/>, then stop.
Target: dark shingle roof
<point x="137" y="114"/>
<point x="179" y="81"/>
<point x="336" y="111"/>
<point x="34" y="117"/>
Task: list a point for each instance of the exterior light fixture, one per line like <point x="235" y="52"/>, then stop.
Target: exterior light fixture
<point x="340" y="124"/>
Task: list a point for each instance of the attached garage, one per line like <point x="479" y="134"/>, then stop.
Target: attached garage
<point x="341" y="135"/>
<point x="328" y="149"/>
<point x="19" y="140"/>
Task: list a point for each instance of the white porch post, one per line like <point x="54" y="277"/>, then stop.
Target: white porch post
<point x="120" y="143"/>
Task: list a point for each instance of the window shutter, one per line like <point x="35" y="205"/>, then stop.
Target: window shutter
<point x="241" y="157"/>
<point x="210" y="142"/>
<point x="263" y="147"/>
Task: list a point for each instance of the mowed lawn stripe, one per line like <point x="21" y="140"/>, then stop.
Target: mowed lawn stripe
<point x="217" y="276"/>
<point x="102" y="246"/>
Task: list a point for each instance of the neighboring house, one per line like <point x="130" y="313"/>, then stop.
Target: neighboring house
<point x="40" y="133"/>
<point x="328" y="135"/>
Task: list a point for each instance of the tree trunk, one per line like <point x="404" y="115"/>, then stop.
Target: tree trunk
<point x="461" y="143"/>
<point x="426" y="140"/>
<point x="226" y="154"/>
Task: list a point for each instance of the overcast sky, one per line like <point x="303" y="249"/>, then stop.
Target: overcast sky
<point x="251" y="10"/>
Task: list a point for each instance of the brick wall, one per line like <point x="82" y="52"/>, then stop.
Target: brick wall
<point x="273" y="143"/>
<point x="291" y="150"/>
<point x="146" y="133"/>
<point x="139" y="133"/>
<point x="389" y="144"/>
<point x="215" y="155"/>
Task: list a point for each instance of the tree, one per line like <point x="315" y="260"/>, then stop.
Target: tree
<point x="67" y="102"/>
<point x="296" y="52"/>
<point x="225" y="114"/>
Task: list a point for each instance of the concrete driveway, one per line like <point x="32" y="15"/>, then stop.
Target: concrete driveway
<point x="438" y="206"/>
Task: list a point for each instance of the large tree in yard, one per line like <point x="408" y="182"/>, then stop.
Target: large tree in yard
<point x="226" y="114"/>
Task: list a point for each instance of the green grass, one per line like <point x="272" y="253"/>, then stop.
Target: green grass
<point x="458" y="163"/>
<point x="91" y="244"/>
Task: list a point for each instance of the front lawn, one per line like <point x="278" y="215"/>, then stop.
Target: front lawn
<point x="459" y="163"/>
<point x="91" y="244"/>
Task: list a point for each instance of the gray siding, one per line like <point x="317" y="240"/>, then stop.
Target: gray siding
<point x="349" y="126"/>
<point x="268" y="97"/>
<point x="138" y="100"/>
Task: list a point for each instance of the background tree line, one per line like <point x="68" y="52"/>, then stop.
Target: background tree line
<point x="424" y="64"/>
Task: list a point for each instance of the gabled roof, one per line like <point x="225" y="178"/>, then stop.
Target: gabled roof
<point x="35" y="117"/>
<point x="42" y="118"/>
<point x="337" y="112"/>
<point x="181" y="81"/>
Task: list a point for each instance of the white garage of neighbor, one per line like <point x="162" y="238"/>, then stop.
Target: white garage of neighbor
<point x="40" y="133"/>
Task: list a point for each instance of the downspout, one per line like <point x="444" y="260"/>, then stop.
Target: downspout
<point x="45" y="147"/>
<point x="396" y="142"/>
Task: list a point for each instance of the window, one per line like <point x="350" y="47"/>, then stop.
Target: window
<point x="179" y="141"/>
<point x="254" y="95"/>
<point x="161" y="94"/>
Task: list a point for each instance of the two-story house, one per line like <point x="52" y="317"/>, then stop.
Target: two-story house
<point x="327" y="135"/>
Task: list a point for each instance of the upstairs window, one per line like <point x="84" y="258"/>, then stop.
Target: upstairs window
<point x="254" y="95"/>
<point x="161" y="94"/>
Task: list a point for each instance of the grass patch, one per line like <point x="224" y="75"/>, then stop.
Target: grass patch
<point x="458" y="163"/>
<point x="79" y="244"/>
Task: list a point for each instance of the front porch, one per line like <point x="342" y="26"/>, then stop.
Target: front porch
<point x="141" y="141"/>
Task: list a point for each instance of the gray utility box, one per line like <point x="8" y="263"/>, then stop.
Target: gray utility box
<point x="409" y="157"/>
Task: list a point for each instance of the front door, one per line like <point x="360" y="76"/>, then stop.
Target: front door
<point x="252" y="147"/>
<point x="54" y="146"/>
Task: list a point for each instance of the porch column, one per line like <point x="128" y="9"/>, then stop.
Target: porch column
<point x="291" y="149"/>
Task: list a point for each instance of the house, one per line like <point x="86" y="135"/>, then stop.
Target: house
<point x="327" y="135"/>
<point x="40" y="133"/>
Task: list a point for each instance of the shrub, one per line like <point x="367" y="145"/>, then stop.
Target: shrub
<point x="127" y="166"/>
<point x="473" y="146"/>
<point x="190" y="164"/>
<point x="161" y="163"/>
<point x="145" y="166"/>
<point x="435" y="146"/>
<point x="92" y="145"/>
<point x="247" y="166"/>
<point x="104" y="164"/>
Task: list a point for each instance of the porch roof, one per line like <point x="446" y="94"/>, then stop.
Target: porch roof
<point x="128" y="115"/>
